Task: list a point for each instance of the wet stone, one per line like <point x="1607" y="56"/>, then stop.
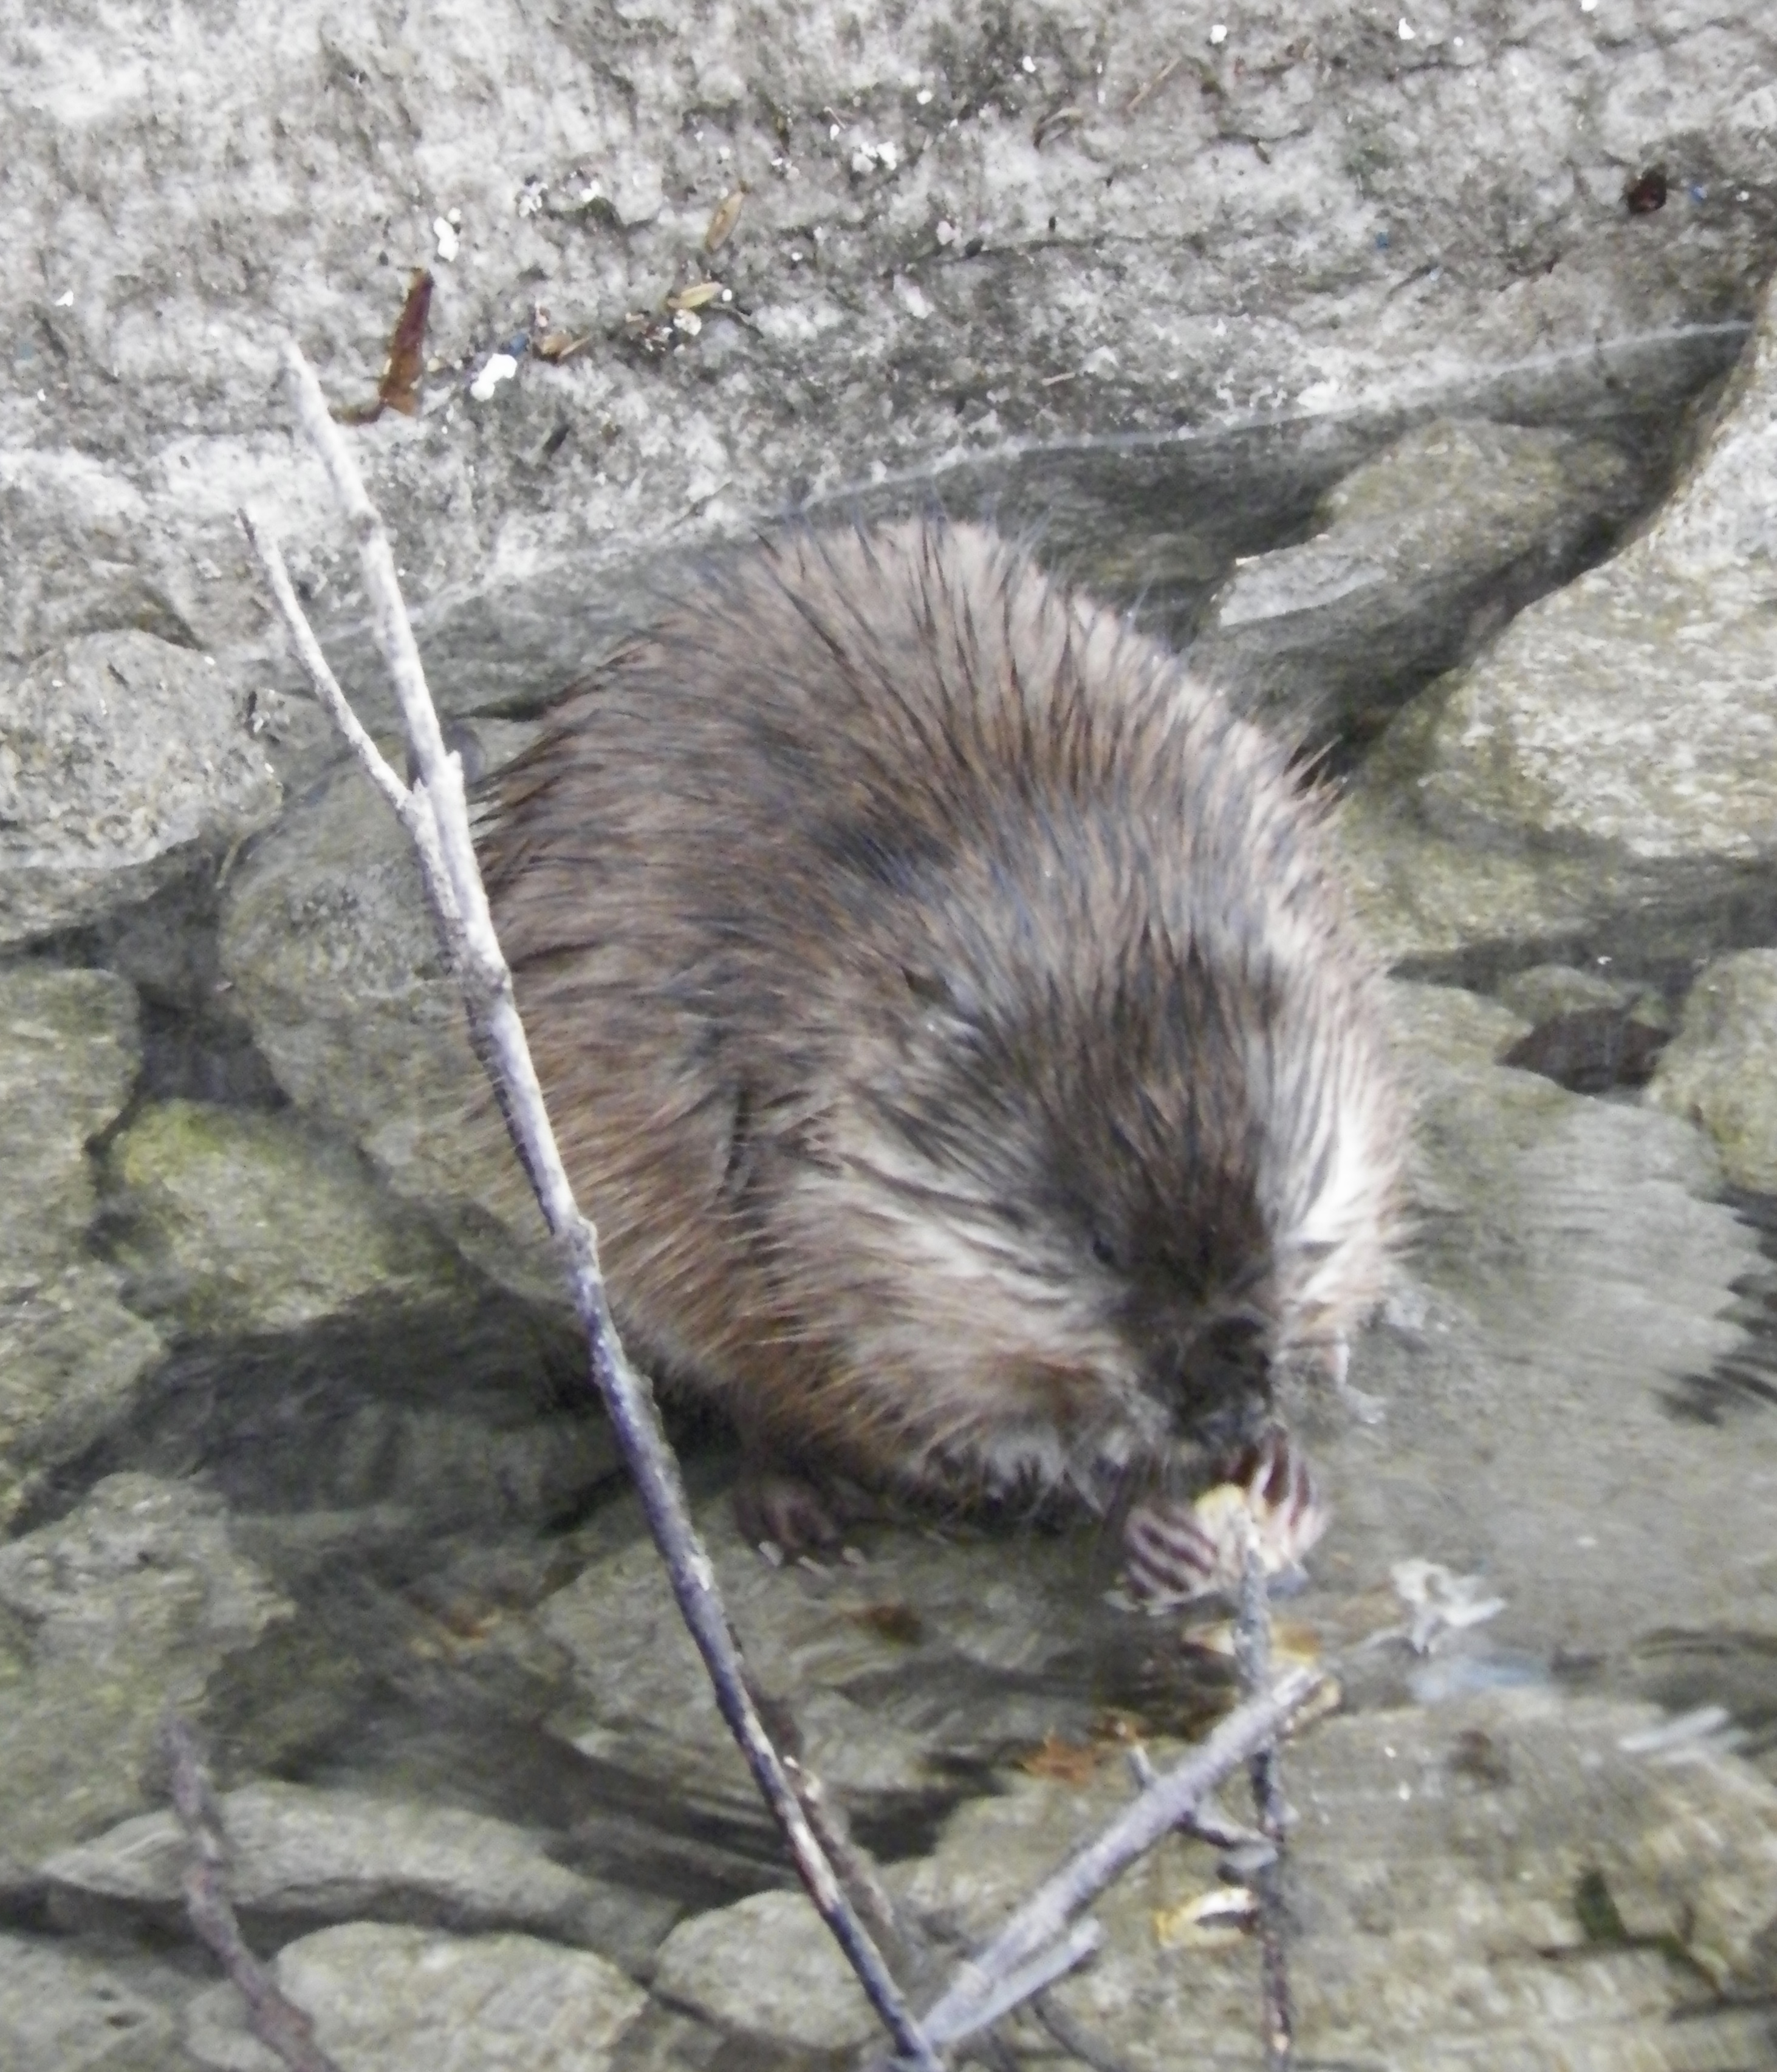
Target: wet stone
<point x="234" y="1222"/>
<point x="302" y="1854"/>
<point x="1720" y="1071"/>
<point x="71" y="1354"/>
<point x="1573" y="1276"/>
<point x="110" y="1618"/>
<point x="767" y="1968"/>
<point x="334" y="960"/>
<point x="1443" y="1875"/>
<point x="401" y="2000"/>
<point x="63" y="2010"/>
<point x="125" y="756"/>
<point x="938" y="1653"/>
<point x="334" y="1353"/>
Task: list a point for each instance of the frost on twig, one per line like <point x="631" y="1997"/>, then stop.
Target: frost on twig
<point x="435" y="811"/>
<point x="278" y="2023"/>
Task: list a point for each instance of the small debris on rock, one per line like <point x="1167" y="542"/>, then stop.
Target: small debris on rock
<point x="499" y="367"/>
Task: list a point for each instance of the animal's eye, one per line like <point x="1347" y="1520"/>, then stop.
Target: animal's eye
<point x="1104" y="1251"/>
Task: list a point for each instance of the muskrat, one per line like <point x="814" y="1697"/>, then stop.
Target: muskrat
<point x="948" y="1013"/>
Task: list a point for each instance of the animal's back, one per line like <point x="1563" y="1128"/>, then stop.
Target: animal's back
<point x="947" y="1013"/>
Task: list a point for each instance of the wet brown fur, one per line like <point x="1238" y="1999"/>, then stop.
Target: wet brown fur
<point x="947" y="1016"/>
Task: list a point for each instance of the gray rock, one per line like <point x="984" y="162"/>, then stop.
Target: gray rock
<point x="767" y="1968"/>
<point x="238" y="1223"/>
<point x="1312" y="219"/>
<point x="1444" y="1871"/>
<point x="71" y="1354"/>
<point x="123" y="758"/>
<point x="299" y="1853"/>
<point x="1720" y="1071"/>
<point x="1627" y="723"/>
<point x="63" y="2010"/>
<point x="399" y="1999"/>
<point x="110" y="1618"/>
<point x="332" y="956"/>
<point x="1545" y="991"/>
<point x="334" y="1352"/>
<point x="1419" y="553"/>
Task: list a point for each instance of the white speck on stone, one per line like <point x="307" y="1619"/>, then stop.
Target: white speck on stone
<point x="1589" y="6"/>
<point x="65" y="301"/>
<point x="945" y="233"/>
<point x="1218" y="32"/>
<point x="1405" y="31"/>
<point x="923" y="97"/>
<point x="911" y="297"/>
<point x="832" y="131"/>
<point x="454" y="217"/>
<point x="1028" y="63"/>
<point x="500" y="367"/>
<point x="445" y="231"/>
<point x="689" y="321"/>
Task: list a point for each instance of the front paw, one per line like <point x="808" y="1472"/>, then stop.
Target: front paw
<point x="1175" y="1551"/>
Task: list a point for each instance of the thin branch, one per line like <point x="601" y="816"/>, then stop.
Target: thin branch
<point x="500" y="1038"/>
<point x="278" y="2023"/>
<point x="1253" y="1654"/>
<point x="1044" y="1917"/>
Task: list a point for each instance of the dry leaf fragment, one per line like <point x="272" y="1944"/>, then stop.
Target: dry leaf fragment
<point x="1211" y="1921"/>
<point x="1065" y="1762"/>
<point x="399" y="388"/>
<point x="694" y="297"/>
<point x="723" y="222"/>
<point x="893" y="1620"/>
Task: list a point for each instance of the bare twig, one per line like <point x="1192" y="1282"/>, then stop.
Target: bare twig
<point x="278" y="2023"/>
<point x="1252" y="1653"/>
<point x="1044" y="1917"/>
<point x="486" y="985"/>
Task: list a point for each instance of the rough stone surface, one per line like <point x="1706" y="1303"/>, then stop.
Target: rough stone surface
<point x="299" y="1853"/>
<point x="1444" y="1872"/>
<point x="398" y="2000"/>
<point x="63" y="2010"/>
<point x="120" y="755"/>
<point x="969" y="248"/>
<point x="1625" y="724"/>
<point x="1418" y="554"/>
<point x="240" y="1223"/>
<point x="933" y="1654"/>
<point x="109" y="1618"/>
<point x="1545" y="991"/>
<point x="1720" y="1070"/>
<point x="71" y="1354"/>
<point x="767" y="1968"/>
<point x="333" y="959"/>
